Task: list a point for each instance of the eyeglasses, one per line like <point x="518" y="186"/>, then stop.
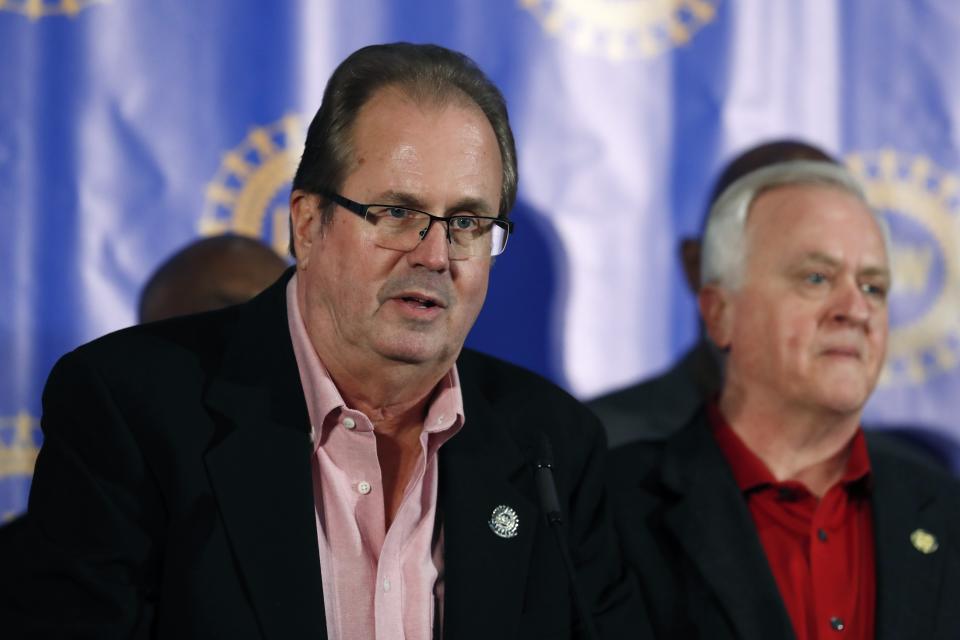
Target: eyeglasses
<point x="402" y="228"/>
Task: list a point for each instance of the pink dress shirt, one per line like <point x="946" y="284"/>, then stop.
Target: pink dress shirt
<point x="377" y="583"/>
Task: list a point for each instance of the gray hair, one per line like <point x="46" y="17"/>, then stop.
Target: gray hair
<point x="724" y="246"/>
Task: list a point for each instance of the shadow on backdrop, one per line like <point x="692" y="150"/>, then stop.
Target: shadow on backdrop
<point x="521" y="320"/>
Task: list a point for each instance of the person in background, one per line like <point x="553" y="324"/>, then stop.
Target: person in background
<point x="207" y="274"/>
<point x="327" y="460"/>
<point x="770" y="514"/>
<point x="657" y="407"/>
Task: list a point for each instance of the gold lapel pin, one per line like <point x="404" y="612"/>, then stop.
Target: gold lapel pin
<point x="924" y="541"/>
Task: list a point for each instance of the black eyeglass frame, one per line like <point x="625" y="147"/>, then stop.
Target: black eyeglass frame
<point x="362" y="209"/>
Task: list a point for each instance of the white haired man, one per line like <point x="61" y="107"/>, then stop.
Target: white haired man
<point x="770" y="515"/>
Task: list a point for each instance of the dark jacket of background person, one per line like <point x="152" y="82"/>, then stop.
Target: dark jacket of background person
<point x="701" y="566"/>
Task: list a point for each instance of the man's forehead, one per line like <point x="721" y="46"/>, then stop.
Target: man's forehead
<point x="871" y="267"/>
<point x="815" y="221"/>
<point x="807" y="205"/>
<point x="430" y="156"/>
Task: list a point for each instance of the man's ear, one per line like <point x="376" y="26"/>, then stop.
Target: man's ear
<point x="716" y="309"/>
<point x="690" y="249"/>
<point x="305" y="224"/>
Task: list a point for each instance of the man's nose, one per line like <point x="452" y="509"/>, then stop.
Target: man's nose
<point x="852" y="304"/>
<point x="433" y="251"/>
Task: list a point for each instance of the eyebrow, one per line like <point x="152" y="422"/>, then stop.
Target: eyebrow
<point x="822" y="258"/>
<point x="478" y="206"/>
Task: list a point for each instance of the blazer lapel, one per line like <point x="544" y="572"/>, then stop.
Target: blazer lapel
<point x="909" y="581"/>
<point x="482" y="468"/>
<point x="260" y="471"/>
<point x="712" y="523"/>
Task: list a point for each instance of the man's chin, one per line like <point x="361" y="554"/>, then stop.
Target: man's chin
<point x="418" y="353"/>
<point x="846" y="400"/>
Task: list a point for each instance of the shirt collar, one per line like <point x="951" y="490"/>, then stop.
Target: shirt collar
<point x="750" y="472"/>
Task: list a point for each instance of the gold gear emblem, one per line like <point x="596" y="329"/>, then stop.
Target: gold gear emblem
<point x="621" y="29"/>
<point x="248" y="195"/>
<point x="36" y="9"/>
<point x="18" y="450"/>
<point x="921" y="203"/>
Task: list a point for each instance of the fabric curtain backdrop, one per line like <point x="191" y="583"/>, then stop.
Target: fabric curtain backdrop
<point x="128" y="129"/>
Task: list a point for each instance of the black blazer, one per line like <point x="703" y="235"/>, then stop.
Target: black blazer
<point x="688" y="536"/>
<point x="173" y="495"/>
<point x="658" y="407"/>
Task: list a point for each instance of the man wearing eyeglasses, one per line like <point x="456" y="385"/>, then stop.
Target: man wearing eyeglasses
<point x="327" y="461"/>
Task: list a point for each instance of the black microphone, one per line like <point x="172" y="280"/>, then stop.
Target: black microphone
<point x="550" y="503"/>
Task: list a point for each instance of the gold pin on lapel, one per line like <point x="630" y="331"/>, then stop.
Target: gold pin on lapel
<point x="924" y="541"/>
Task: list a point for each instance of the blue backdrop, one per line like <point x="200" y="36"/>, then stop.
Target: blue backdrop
<point x="130" y="127"/>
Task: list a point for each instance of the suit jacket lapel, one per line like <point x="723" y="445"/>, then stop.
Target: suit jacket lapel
<point x="485" y="575"/>
<point x="909" y="582"/>
<point x="711" y="521"/>
<point x="260" y="471"/>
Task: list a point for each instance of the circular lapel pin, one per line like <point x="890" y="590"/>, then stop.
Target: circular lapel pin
<point x="504" y="522"/>
<point x="924" y="541"/>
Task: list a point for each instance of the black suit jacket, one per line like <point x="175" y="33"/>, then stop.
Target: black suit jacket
<point x="173" y="495"/>
<point x="688" y="535"/>
<point x="658" y="407"/>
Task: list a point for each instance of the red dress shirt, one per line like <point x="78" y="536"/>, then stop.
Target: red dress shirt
<point x="821" y="551"/>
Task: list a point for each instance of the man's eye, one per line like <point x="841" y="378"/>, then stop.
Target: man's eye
<point x="398" y="213"/>
<point x="816" y="278"/>
<point x="875" y="290"/>
<point x="464" y="223"/>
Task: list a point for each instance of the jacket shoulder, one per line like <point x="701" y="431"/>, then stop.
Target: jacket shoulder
<point x="528" y="401"/>
<point x="184" y="343"/>
<point x="652" y="409"/>
<point x="500" y="381"/>
<point x="893" y="457"/>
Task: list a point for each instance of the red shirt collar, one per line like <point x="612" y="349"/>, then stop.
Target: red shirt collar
<point x="751" y="473"/>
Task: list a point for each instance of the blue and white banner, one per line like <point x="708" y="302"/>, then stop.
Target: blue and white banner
<point x="128" y="128"/>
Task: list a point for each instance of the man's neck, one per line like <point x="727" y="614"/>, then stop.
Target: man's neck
<point x="395" y="396"/>
<point x="802" y="443"/>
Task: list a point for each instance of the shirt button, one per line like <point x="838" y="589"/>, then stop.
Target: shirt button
<point x="822" y="535"/>
<point x="386" y="584"/>
<point x="349" y="423"/>
<point x="837" y="624"/>
<point x="364" y="487"/>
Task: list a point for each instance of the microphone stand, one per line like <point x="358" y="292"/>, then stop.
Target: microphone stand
<point x="550" y="503"/>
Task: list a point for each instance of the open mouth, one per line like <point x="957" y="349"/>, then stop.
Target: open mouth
<point x="420" y="303"/>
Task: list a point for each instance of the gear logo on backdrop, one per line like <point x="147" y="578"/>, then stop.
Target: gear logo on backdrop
<point x="250" y="192"/>
<point x="621" y="29"/>
<point x="36" y="9"/>
<point x="921" y="204"/>
<point x="19" y="445"/>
